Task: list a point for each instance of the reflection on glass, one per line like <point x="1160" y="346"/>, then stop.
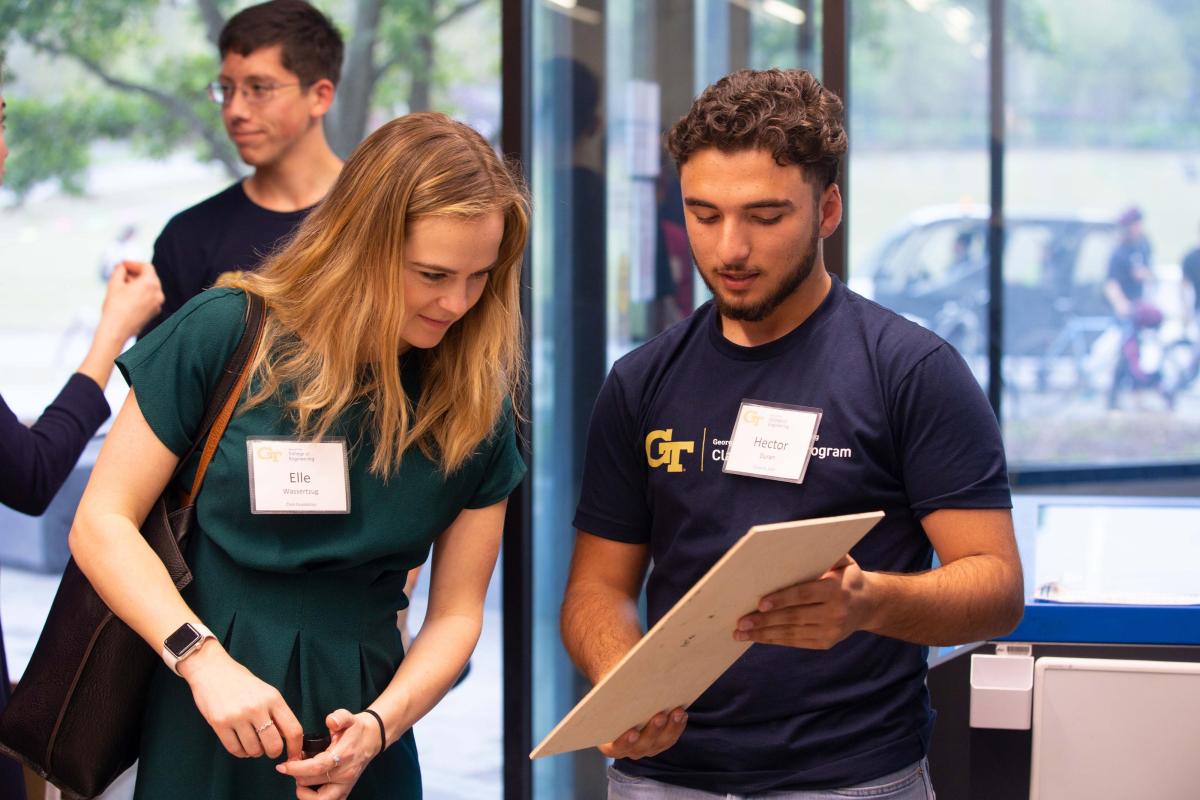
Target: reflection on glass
<point x="1086" y="554"/>
<point x="611" y="266"/>
<point x="918" y="165"/>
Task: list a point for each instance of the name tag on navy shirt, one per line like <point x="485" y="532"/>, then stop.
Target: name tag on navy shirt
<point x="289" y="476"/>
<point x="772" y="440"/>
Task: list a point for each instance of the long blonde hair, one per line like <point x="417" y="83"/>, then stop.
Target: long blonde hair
<point x="335" y="298"/>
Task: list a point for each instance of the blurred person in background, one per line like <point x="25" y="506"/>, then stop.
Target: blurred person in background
<point x="1191" y="279"/>
<point x="123" y="247"/>
<point x="1129" y="273"/>
<point x="1190" y="272"/>
<point x="36" y="460"/>
<point x="280" y="65"/>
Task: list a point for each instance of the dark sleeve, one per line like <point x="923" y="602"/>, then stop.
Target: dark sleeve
<point x="171" y="270"/>
<point x="35" y="461"/>
<point x="949" y="442"/>
<point x="505" y="467"/>
<point x="612" y="499"/>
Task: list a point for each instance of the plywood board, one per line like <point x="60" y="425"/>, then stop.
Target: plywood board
<point x="693" y="644"/>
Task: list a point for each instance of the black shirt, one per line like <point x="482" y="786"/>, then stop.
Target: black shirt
<point x="1127" y="261"/>
<point x="228" y="231"/>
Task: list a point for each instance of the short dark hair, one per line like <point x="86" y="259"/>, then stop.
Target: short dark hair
<point x="786" y="112"/>
<point x="312" y="46"/>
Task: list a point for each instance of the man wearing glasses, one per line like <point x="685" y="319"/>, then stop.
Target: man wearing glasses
<point x="280" y="63"/>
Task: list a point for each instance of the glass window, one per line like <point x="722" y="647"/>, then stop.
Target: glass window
<point x="918" y="164"/>
<point x="611" y="264"/>
<point x="1077" y="548"/>
<point x="1119" y="568"/>
<point x="1102" y="134"/>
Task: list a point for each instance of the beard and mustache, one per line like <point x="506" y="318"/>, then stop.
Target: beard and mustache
<point x="789" y="282"/>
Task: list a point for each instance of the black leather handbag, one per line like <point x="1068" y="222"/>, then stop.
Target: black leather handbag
<point x="75" y="717"/>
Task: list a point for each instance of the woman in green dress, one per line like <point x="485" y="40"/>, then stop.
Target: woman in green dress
<point x="377" y="423"/>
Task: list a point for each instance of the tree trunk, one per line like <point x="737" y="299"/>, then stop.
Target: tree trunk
<point x="346" y="123"/>
<point x="420" y="93"/>
<point x="420" y="90"/>
<point x="214" y="21"/>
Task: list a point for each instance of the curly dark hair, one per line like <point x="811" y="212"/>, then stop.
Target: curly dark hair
<point x="785" y="111"/>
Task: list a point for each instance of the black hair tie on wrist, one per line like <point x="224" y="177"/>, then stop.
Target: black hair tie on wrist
<point x="382" y="732"/>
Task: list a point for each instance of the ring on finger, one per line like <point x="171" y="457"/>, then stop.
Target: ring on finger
<point x="337" y="760"/>
<point x="264" y="726"/>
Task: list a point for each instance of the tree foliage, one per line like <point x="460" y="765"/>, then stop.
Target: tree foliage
<point x="33" y="123"/>
<point x="157" y="94"/>
<point x="1078" y="72"/>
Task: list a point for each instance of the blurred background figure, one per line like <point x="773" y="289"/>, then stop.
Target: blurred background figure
<point x="123" y="248"/>
<point x="1191" y="279"/>
<point x="1125" y="288"/>
<point x="962" y="261"/>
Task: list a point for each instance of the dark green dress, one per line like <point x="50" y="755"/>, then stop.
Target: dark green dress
<point x="306" y="602"/>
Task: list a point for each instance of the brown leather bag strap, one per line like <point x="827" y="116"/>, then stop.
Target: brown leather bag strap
<point x="238" y="367"/>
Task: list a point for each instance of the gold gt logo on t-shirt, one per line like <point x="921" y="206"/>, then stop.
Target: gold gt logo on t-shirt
<point x="661" y="450"/>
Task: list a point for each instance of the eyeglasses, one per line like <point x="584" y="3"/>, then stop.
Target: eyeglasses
<point x="255" y="93"/>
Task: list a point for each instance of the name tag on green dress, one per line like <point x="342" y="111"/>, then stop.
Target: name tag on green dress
<point x="289" y="476"/>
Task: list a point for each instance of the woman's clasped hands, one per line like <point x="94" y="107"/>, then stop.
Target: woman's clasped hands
<point x="252" y="719"/>
<point x="331" y="775"/>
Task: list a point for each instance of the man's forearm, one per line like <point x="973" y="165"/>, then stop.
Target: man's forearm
<point x="599" y="626"/>
<point x="971" y="599"/>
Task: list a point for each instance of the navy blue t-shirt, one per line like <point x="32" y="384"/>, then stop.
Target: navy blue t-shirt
<point x="227" y="231"/>
<point x="1123" y="265"/>
<point x="906" y="430"/>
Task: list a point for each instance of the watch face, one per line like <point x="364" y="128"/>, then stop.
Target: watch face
<point x="182" y="640"/>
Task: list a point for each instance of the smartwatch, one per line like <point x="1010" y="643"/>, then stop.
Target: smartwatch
<point x="186" y="640"/>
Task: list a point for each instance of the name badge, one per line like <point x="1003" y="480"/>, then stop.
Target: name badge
<point x="288" y="476"/>
<point x="772" y="440"/>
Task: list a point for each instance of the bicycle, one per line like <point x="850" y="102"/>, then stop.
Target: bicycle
<point x="1180" y="368"/>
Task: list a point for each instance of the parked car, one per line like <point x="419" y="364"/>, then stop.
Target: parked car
<point x="933" y="269"/>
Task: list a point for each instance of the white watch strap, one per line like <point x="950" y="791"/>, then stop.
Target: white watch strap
<point x="169" y="658"/>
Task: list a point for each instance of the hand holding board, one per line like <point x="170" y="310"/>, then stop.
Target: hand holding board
<point x="693" y="644"/>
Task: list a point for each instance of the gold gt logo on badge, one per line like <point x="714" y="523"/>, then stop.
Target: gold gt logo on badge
<point x="269" y="454"/>
<point x="667" y="452"/>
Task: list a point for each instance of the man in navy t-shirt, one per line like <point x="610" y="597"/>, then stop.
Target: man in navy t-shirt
<point x="280" y="63"/>
<point x="833" y="694"/>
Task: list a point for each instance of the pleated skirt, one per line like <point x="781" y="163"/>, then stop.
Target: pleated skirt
<point x="326" y="639"/>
